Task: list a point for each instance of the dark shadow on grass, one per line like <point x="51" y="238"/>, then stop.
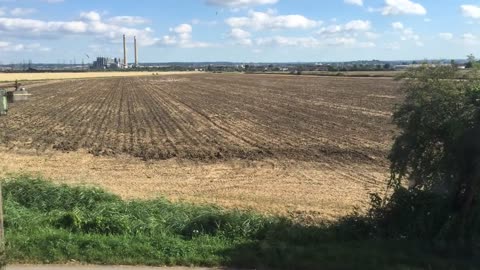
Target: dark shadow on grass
<point x="343" y="254"/>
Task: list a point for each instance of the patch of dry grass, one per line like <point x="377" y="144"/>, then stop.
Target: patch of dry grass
<point x="298" y="189"/>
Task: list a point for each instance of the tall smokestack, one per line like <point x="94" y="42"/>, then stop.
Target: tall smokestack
<point x="125" y="63"/>
<point x="136" y="52"/>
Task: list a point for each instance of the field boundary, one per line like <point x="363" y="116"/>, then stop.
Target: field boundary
<point x="24" y="76"/>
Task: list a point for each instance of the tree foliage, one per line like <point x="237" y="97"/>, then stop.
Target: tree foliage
<point x="437" y="111"/>
<point x="438" y="147"/>
<point x="473" y="63"/>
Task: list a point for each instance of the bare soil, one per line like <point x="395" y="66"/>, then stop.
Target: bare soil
<point x="280" y="144"/>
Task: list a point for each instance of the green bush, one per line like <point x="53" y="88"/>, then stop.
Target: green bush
<point x="47" y="223"/>
<point x="43" y="196"/>
<point x="437" y="153"/>
<point x="412" y="214"/>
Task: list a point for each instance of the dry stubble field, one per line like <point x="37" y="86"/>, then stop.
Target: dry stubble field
<point x="11" y="77"/>
<point x="303" y="146"/>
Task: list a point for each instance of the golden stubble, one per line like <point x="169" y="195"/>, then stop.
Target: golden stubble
<point x="306" y="190"/>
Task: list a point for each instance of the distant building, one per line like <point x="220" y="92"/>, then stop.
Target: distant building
<point x="106" y="63"/>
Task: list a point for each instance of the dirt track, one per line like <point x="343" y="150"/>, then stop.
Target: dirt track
<point x="280" y="144"/>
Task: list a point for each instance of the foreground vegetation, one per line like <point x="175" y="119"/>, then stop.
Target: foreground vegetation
<point x="47" y="223"/>
<point x="438" y="152"/>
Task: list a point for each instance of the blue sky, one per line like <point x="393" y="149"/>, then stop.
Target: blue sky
<point x="239" y="30"/>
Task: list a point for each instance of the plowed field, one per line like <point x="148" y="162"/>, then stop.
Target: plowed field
<point x="336" y="126"/>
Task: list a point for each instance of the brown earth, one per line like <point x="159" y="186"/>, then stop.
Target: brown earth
<point x="280" y="144"/>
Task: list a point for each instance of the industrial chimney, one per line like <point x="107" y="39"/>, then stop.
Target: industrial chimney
<point x="125" y="63"/>
<point x="136" y="52"/>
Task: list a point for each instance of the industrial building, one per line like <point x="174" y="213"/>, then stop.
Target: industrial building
<point x="106" y="63"/>
<point x="116" y="63"/>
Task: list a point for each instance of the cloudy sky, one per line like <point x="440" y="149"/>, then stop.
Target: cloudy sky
<point x="239" y="30"/>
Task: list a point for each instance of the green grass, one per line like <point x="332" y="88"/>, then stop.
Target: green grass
<point x="48" y="223"/>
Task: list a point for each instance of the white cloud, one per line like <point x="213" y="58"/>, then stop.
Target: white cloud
<point x="19" y="12"/>
<point x="184" y="31"/>
<point x="182" y="37"/>
<point x="128" y="20"/>
<point x="397" y="25"/>
<point x="312" y="42"/>
<point x="335" y="35"/>
<point x="208" y="23"/>
<point x="308" y="42"/>
<point x="341" y="41"/>
<point x="240" y="3"/>
<point x="346" y="35"/>
<point x="268" y="20"/>
<point x="25" y="27"/>
<point x="349" y="27"/>
<point x="168" y="40"/>
<point x="396" y="7"/>
<point x="89" y="25"/>
<point x="90" y="16"/>
<point x="446" y="36"/>
<point x="241" y="37"/>
<point x="358" y="25"/>
<point x="471" y="11"/>
<point x="407" y="34"/>
<point x="18" y="47"/>
<point x="354" y="2"/>
<point x="331" y="29"/>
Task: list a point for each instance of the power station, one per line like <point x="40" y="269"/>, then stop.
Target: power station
<point x="117" y="63"/>
<point x="136" y="52"/>
<point x="125" y="61"/>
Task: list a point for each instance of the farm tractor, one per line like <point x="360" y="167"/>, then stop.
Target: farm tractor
<point x="18" y="93"/>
